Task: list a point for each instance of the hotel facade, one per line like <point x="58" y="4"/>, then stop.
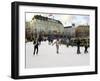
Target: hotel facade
<point x="44" y="24"/>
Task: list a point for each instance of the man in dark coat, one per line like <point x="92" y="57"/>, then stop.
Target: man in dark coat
<point x="36" y="44"/>
<point x="78" y="46"/>
<point x="85" y="46"/>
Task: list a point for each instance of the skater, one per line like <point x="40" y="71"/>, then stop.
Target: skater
<point x="50" y="39"/>
<point x="78" y="46"/>
<point x="67" y="42"/>
<point x="85" y="46"/>
<point x="57" y="42"/>
<point x="40" y="39"/>
<point x="36" y="44"/>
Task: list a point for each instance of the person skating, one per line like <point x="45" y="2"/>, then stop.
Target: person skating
<point x="50" y="39"/>
<point x="57" y="42"/>
<point x="40" y="39"/>
<point x="85" y="46"/>
<point x="67" y="42"/>
<point x="36" y="44"/>
<point x="78" y="46"/>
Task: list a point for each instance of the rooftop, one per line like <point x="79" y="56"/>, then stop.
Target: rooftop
<point x="45" y="18"/>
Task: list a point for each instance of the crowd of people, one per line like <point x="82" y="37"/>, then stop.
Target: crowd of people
<point x="37" y="41"/>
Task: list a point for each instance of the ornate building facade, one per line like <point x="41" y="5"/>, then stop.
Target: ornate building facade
<point x="44" y="24"/>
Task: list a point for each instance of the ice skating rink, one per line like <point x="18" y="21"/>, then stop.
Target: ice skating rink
<point x="47" y="56"/>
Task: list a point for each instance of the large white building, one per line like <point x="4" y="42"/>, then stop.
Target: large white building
<point x="44" y="24"/>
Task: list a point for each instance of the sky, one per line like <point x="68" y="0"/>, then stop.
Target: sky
<point x="66" y="19"/>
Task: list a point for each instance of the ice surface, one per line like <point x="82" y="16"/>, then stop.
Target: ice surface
<point x="47" y="56"/>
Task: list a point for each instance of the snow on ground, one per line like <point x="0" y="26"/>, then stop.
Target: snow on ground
<point x="47" y="56"/>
